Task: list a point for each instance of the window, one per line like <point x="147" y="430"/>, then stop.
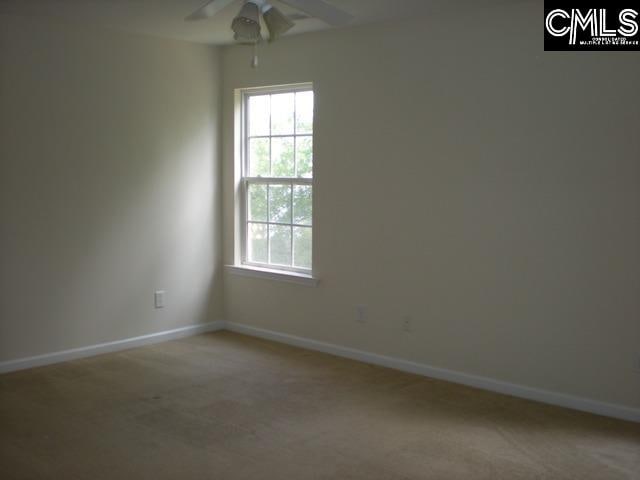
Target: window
<point x="277" y="178"/>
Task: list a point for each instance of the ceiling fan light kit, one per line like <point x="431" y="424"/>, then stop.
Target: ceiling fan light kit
<point x="246" y="25"/>
<point x="277" y="23"/>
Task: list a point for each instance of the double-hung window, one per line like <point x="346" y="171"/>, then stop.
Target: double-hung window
<point x="277" y="178"/>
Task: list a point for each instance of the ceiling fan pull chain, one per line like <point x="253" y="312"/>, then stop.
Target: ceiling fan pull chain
<point x="254" y="60"/>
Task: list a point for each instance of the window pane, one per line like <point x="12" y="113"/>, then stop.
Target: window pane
<point x="259" y="157"/>
<point x="282" y="164"/>
<point x="302" y="204"/>
<point x="258" y="203"/>
<point x="257" y="243"/>
<point x="282" y="106"/>
<point x="280" y="241"/>
<point x="304" y="156"/>
<point x="304" y="112"/>
<point x="302" y="247"/>
<point x="259" y="115"/>
<point x="280" y="203"/>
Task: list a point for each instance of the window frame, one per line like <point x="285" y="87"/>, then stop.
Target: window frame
<point x="246" y="180"/>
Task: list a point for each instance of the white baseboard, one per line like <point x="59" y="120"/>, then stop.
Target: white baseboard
<point x="485" y="383"/>
<point x="91" y="350"/>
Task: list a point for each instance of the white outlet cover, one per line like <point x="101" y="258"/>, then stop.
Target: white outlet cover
<point x="406" y="324"/>
<point x="158" y="298"/>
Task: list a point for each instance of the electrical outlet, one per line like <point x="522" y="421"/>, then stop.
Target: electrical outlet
<point x="361" y="313"/>
<point x="158" y="299"/>
<point x="406" y="324"/>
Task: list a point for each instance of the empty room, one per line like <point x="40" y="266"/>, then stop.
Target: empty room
<point x="319" y="239"/>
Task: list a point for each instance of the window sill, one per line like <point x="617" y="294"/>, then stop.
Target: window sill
<point x="269" y="274"/>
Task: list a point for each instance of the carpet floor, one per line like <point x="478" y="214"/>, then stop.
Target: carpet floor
<point x="226" y="406"/>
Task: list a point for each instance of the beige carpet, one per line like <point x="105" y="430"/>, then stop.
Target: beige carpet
<point x="224" y="406"/>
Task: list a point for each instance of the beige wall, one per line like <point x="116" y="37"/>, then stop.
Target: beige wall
<point x="465" y="178"/>
<point x="109" y="185"/>
<point x="468" y="179"/>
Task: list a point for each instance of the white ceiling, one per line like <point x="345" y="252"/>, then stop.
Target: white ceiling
<point x="165" y="18"/>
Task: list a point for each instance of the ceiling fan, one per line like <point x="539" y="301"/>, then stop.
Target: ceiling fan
<point x="246" y="25"/>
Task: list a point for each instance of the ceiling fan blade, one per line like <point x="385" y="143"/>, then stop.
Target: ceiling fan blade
<point x="208" y="10"/>
<point x="322" y="10"/>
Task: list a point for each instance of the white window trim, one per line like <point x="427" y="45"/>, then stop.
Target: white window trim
<point x="242" y="265"/>
<point x="271" y="274"/>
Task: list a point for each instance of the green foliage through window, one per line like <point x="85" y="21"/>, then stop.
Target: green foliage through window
<point x="279" y="146"/>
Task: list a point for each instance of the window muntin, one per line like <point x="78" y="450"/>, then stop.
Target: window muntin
<point x="277" y="178"/>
